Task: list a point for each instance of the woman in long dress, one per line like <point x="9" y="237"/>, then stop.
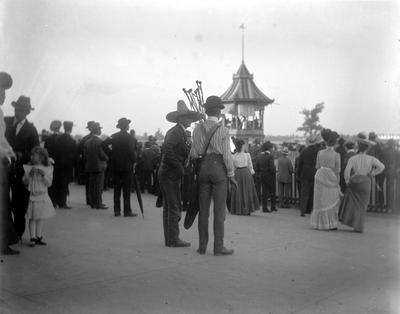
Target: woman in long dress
<point x="244" y="199"/>
<point x="326" y="185"/>
<point x="359" y="170"/>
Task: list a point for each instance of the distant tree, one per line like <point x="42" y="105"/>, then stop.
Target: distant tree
<point x="158" y="135"/>
<point x="311" y="120"/>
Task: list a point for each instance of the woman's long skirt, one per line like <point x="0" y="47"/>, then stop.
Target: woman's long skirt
<point x="326" y="200"/>
<point x="244" y="198"/>
<point x="355" y="202"/>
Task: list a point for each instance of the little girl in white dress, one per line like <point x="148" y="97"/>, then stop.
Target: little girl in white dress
<point x="38" y="177"/>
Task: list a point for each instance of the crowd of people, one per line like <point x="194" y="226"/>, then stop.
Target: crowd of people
<point x="333" y="176"/>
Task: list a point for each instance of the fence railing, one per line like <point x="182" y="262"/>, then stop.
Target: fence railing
<point x="385" y="194"/>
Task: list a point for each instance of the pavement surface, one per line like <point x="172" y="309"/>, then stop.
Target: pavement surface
<point x="97" y="263"/>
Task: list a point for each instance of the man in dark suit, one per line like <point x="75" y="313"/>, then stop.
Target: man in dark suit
<point x="96" y="163"/>
<point x="307" y="170"/>
<point x="284" y="178"/>
<point x="175" y="152"/>
<point x="64" y="156"/>
<point x="123" y="158"/>
<point x="265" y="172"/>
<point x="22" y="136"/>
<point x="82" y="161"/>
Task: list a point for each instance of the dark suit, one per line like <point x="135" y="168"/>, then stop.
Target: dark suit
<point x="341" y="150"/>
<point x="65" y="149"/>
<point x="174" y="153"/>
<point x="22" y="144"/>
<point x="123" y="158"/>
<point x="83" y="177"/>
<point x="284" y="178"/>
<point x="307" y="170"/>
<point x="95" y="165"/>
<point x="265" y="172"/>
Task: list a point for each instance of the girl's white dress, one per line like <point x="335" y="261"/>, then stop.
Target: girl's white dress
<point x="40" y="205"/>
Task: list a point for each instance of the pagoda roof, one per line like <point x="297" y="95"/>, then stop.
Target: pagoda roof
<point x="243" y="90"/>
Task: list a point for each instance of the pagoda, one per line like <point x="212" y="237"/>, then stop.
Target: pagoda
<point x="244" y="105"/>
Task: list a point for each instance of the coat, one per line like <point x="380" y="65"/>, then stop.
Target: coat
<point x="307" y="162"/>
<point x="26" y="139"/>
<point x="95" y="157"/>
<point x="175" y="151"/>
<point x="65" y="152"/>
<point x="285" y="170"/>
<point x="123" y="151"/>
<point x="264" y="167"/>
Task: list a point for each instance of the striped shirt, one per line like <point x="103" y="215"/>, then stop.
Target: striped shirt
<point x="219" y="144"/>
<point x="363" y="164"/>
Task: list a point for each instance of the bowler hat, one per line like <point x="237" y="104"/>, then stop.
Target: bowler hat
<point x="123" y="122"/>
<point x="266" y="146"/>
<point x="182" y="111"/>
<point x="95" y="126"/>
<point x="90" y="124"/>
<point x="213" y="102"/>
<point x="68" y="124"/>
<point x="5" y="80"/>
<point x="23" y="102"/>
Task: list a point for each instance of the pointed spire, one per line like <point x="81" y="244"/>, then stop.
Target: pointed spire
<point x="242" y="28"/>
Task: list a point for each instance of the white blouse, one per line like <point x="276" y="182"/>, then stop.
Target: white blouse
<point x="363" y="164"/>
<point x="241" y="160"/>
<point x="5" y="148"/>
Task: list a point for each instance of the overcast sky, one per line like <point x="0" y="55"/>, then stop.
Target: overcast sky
<point x="103" y="60"/>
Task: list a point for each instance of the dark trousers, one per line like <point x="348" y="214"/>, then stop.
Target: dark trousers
<point x="284" y="193"/>
<point x="170" y="187"/>
<point x="96" y="186"/>
<point x="58" y="191"/>
<point x="122" y="181"/>
<point x="268" y="189"/>
<point x="212" y="185"/>
<point x="19" y="200"/>
<point x="147" y="180"/>
<point x="257" y="183"/>
<point x="380" y="199"/>
<point x="8" y="235"/>
<point x="307" y="195"/>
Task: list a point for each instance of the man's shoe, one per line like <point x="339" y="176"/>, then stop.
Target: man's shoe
<point x="266" y="210"/>
<point x="223" y="251"/>
<point x="130" y="215"/>
<point x="102" y="206"/>
<point x="117" y="214"/>
<point x="65" y="207"/>
<point x="179" y="243"/>
<point x="32" y="242"/>
<point x="9" y="251"/>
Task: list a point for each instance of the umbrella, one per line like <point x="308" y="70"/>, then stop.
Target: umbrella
<point x="138" y="193"/>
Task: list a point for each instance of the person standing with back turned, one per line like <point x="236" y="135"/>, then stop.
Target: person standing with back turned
<point x="215" y="170"/>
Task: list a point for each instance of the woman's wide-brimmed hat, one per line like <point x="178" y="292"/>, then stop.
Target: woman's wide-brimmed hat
<point x="123" y="122"/>
<point x="183" y="111"/>
<point x="363" y="138"/>
<point x="5" y="80"/>
<point x="23" y="102"/>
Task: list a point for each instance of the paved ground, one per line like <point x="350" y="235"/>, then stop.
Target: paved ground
<point x="98" y="263"/>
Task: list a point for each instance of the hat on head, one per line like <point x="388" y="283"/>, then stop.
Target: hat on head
<point x="314" y="139"/>
<point x="362" y="138"/>
<point x="266" y="146"/>
<point x="123" y="122"/>
<point x="285" y="151"/>
<point x="349" y="145"/>
<point x="55" y="125"/>
<point x="95" y="126"/>
<point x="90" y="124"/>
<point x="23" y="102"/>
<point x="68" y="124"/>
<point x="182" y="111"/>
<point x="5" y="80"/>
<point x="372" y="136"/>
<point x="213" y="102"/>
